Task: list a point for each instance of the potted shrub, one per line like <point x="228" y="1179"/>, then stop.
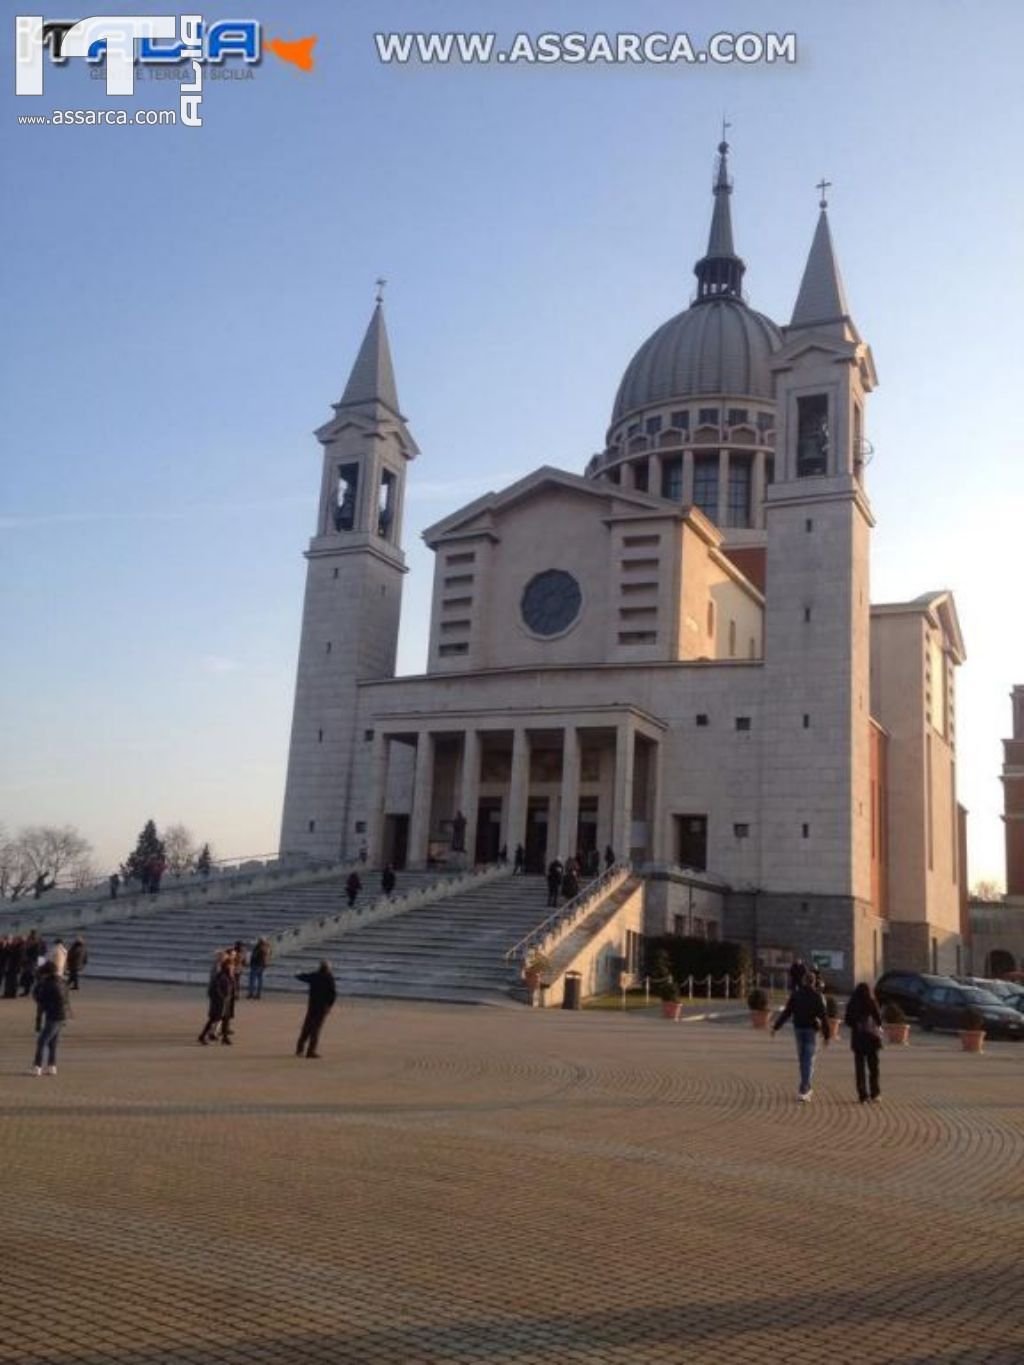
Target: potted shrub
<point x="972" y="1035"/>
<point x="671" y="1008"/>
<point x="758" y="1005"/>
<point x="897" y="1029"/>
<point x="832" y="1014"/>
<point x="534" y="968"/>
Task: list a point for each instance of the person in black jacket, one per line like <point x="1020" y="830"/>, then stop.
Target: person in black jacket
<point x="353" y="886"/>
<point x="864" y="1020"/>
<point x="322" y="995"/>
<point x="51" y="996"/>
<point x="806" y="1007"/>
<point x="78" y="956"/>
<point x="218" y="994"/>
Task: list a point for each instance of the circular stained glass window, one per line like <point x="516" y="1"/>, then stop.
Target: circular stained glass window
<point x="551" y="602"/>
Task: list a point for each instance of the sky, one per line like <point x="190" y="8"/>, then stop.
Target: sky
<point x="182" y="305"/>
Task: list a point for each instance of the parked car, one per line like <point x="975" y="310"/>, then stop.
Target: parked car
<point x="1003" y="990"/>
<point x="907" y="989"/>
<point x="948" y="1007"/>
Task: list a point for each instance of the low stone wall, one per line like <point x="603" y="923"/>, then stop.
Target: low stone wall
<point x="51" y="917"/>
<point x="383" y="908"/>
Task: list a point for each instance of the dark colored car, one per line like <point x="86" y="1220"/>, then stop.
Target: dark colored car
<point x="950" y="1007"/>
<point x="908" y="989"/>
<point x="1003" y="990"/>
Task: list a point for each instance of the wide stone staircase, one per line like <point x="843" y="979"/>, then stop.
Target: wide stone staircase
<point x="178" y="943"/>
<point x="452" y="950"/>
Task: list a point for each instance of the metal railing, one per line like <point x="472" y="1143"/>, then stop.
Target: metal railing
<point x="560" y="921"/>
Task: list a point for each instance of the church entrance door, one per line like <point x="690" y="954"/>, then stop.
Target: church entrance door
<point x="537" y="815"/>
<point x="396" y="840"/>
<point x="488" y="830"/>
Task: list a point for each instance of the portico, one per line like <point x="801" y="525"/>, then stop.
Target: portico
<point x="560" y="784"/>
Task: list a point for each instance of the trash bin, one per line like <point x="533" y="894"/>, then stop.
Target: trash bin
<point x="573" y="997"/>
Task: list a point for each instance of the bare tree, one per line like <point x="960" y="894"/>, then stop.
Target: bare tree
<point x="15" y="876"/>
<point x="179" y="849"/>
<point x="38" y="856"/>
<point x="987" y="889"/>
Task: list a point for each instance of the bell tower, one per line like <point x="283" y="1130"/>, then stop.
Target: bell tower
<point x="352" y="605"/>
<point x="815" y="765"/>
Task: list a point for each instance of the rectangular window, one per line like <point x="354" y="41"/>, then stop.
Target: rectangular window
<point x="447" y="650"/>
<point x="707" y="417"/>
<point x="634" y="565"/>
<point x="858" y="442"/>
<point x="638" y="637"/>
<point x="742" y="722"/>
<point x="691" y="841"/>
<point x="741" y="831"/>
<point x="702" y="718"/>
<point x="459" y="580"/>
<point x="769" y="469"/>
<point x="448" y="626"/>
<point x="807" y="721"/>
<point x="652" y="426"/>
<point x="635" y="613"/>
<point x="681" y="421"/>
<point x="805" y="831"/>
<point x="738" y="417"/>
<point x="738" y="507"/>
<point x="463" y="557"/>
<point x="367" y="735"/>
<point x="630" y="589"/>
<point x="456" y="602"/>
<point x="765" y="422"/>
<point x="672" y="479"/>
<point x="386" y="505"/>
<point x="633" y="429"/>
<point x="633" y="541"/>
<point x="705" y="485"/>
<point x="812" y="435"/>
<point x="641" y="476"/>
<point x="312" y="826"/>
<point x="732" y="639"/>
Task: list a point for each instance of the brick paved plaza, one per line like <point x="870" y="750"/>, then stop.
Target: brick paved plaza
<point x="499" y="1185"/>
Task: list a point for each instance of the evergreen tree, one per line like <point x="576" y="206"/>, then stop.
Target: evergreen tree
<point x="148" y="849"/>
<point x="205" y="861"/>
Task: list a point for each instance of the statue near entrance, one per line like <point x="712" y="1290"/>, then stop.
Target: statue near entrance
<point x="459" y="833"/>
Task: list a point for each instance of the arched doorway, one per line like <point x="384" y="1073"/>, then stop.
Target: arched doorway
<point x="1000" y="963"/>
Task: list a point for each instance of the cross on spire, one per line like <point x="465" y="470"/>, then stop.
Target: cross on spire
<point x="381" y="284"/>
<point x="823" y="185"/>
<point x="726" y="125"/>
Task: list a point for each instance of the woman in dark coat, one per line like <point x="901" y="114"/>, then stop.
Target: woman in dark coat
<point x="219" y="993"/>
<point x="13" y="965"/>
<point x="864" y="1021"/>
<point x="322" y="995"/>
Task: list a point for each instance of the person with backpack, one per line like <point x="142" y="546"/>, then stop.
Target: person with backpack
<point x="864" y="1021"/>
<point x="322" y="995"/>
<point x="51" y="997"/>
<point x="259" y="961"/>
<point x="806" y="1007"/>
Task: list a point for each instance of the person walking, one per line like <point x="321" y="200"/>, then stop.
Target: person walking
<point x="13" y="964"/>
<point x="59" y="957"/>
<point x="322" y="995"/>
<point x="114" y="881"/>
<point x="554" y="882"/>
<point x="51" y="996"/>
<point x="259" y="961"/>
<point x="570" y="880"/>
<point x="806" y="1007"/>
<point x="864" y="1021"/>
<point x="609" y="856"/>
<point x="30" y="961"/>
<point x="387" y="880"/>
<point x="218" y="996"/>
<point x="78" y="956"/>
<point x="519" y="861"/>
<point x="353" y="886"/>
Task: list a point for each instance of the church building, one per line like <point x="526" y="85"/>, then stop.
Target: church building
<point x="673" y="655"/>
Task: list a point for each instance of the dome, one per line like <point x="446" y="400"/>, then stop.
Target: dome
<point x="718" y="346"/>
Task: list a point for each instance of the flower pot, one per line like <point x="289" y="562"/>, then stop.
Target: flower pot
<point x="531" y="980"/>
<point x="972" y="1040"/>
<point x="833" y="1027"/>
<point x="897" y="1033"/>
<point x="671" y="1009"/>
<point x="759" y="1018"/>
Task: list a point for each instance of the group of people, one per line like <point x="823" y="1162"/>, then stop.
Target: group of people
<point x="863" y="1019"/>
<point x="224" y="989"/>
<point x="354" y="884"/>
<point x="22" y="958"/>
<point x="29" y="966"/>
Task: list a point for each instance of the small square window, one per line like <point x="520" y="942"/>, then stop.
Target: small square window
<point x="738" y="417"/>
<point x="633" y="429"/>
<point x="805" y="831"/>
<point x="681" y="421"/>
<point x="367" y="735"/>
<point x="742" y="722"/>
<point x="652" y="426"/>
<point x="702" y="718"/>
<point x="707" y="417"/>
<point x="360" y="826"/>
<point x="741" y="831"/>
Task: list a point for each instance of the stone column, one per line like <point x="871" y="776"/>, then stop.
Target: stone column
<point x="758" y="491"/>
<point x="654" y="475"/>
<point x="687" y="478"/>
<point x="723" y="489"/>
<point x="569" y="804"/>
<point x="518" y="791"/>
<point x="657" y="818"/>
<point x="622" y="801"/>
<point x="379" y="758"/>
<point x="422" y="797"/>
<point x="469" y="794"/>
<point x="627" y="475"/>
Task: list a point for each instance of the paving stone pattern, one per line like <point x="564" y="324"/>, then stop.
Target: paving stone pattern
<point x="473" y="1185"/>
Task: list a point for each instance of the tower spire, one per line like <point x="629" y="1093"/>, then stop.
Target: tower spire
<point x="720" y="271"/>
<point x="822" y="298"/>
<point x="373" y="376"/>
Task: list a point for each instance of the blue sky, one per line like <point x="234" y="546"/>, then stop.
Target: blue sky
<point x="181" y="307"/>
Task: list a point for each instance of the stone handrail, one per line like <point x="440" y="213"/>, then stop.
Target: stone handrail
<point x="550" y="932"/>
<point x="381" y="908"/>
<point x="106" y="910"/>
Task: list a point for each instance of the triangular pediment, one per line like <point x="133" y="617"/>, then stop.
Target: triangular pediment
<point x="483" y="513"/>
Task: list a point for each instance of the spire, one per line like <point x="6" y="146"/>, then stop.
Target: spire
<point x="822" y="298"/>
<point x="720" y="271"/>
<point x="373" y="376"/>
